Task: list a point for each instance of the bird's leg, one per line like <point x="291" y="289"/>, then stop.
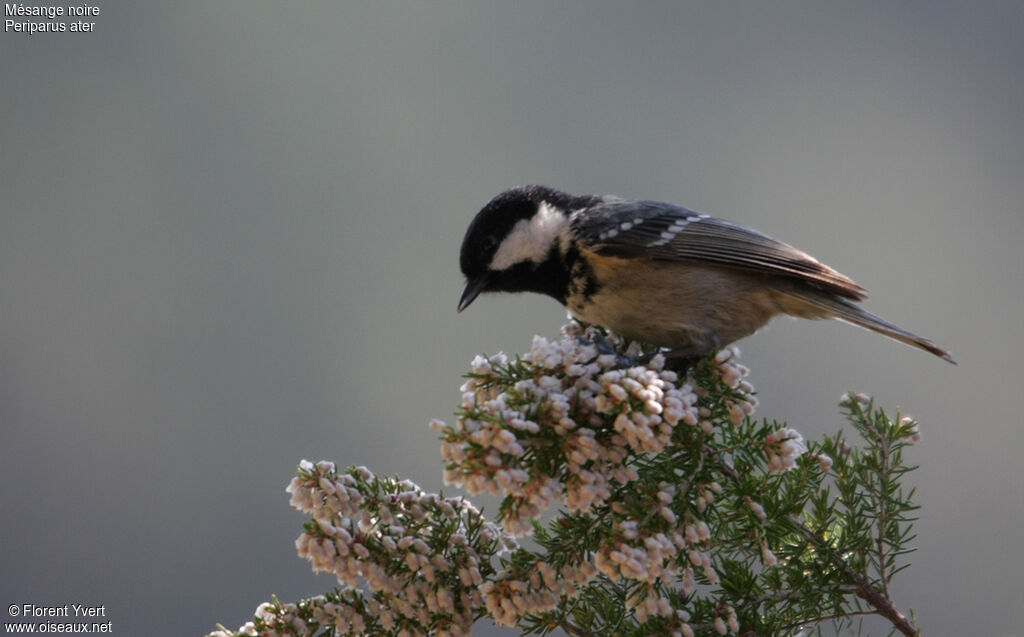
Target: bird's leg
<point x="602" y="344"/>
<point x="604" y="347"/>
<point x="678" y="359"/>
<point x="621" y="362"/>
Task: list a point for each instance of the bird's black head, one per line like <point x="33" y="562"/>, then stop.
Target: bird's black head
<point x="512" y="243"/>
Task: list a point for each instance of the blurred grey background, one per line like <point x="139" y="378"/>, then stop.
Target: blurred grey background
<point x="229" y="236"/>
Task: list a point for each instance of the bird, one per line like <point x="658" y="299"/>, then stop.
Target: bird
<point x="655" y="272"/>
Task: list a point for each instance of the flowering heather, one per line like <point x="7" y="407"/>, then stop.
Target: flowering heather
<point x="653" y="504"/>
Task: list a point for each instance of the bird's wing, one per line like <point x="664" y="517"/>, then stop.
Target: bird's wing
<point x="662" y="231"/>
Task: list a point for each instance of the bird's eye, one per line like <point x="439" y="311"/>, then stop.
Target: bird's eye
<point x="490" y="243"/>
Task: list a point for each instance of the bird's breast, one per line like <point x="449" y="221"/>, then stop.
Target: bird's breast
<point x="672" y="304"/>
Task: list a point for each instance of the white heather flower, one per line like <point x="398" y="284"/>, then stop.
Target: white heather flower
<point x="325" y="466"/>
<point x="695" y="558"/>
<point x="824" y="462"/>
<point x="913" y="433"/>
<point x="481" y="365"/>
<point x="767" y="557"/>
<point x="689" y="583"/>
<point x="783" y="447"/>
<point x="755" y="507"/>
<point x="733" y="621"/>
<point x="711" y="574"/>
<point x="617" y="392"/>
<point x="720" y="626"/>
<point x="847" y="399"/>
<point x="326" y="485"/>
<point x="301" y="495"/>
<point x="665" y="493"/>
<point x="265" y="611"/>
<point x="420" y="547"/>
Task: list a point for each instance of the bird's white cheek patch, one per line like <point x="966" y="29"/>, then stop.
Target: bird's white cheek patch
<point x="530" y="239"/>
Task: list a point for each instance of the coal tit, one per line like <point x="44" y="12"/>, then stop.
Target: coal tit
<point x="654" y="272"/>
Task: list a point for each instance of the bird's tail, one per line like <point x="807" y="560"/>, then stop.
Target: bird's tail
<point x="846" y="311"/>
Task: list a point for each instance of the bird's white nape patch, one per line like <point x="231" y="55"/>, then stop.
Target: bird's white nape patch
<point x="530" y="239"/>
<point x="677" y="226"/>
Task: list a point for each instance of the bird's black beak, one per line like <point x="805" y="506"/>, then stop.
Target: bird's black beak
<point x="473" y="288"/>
